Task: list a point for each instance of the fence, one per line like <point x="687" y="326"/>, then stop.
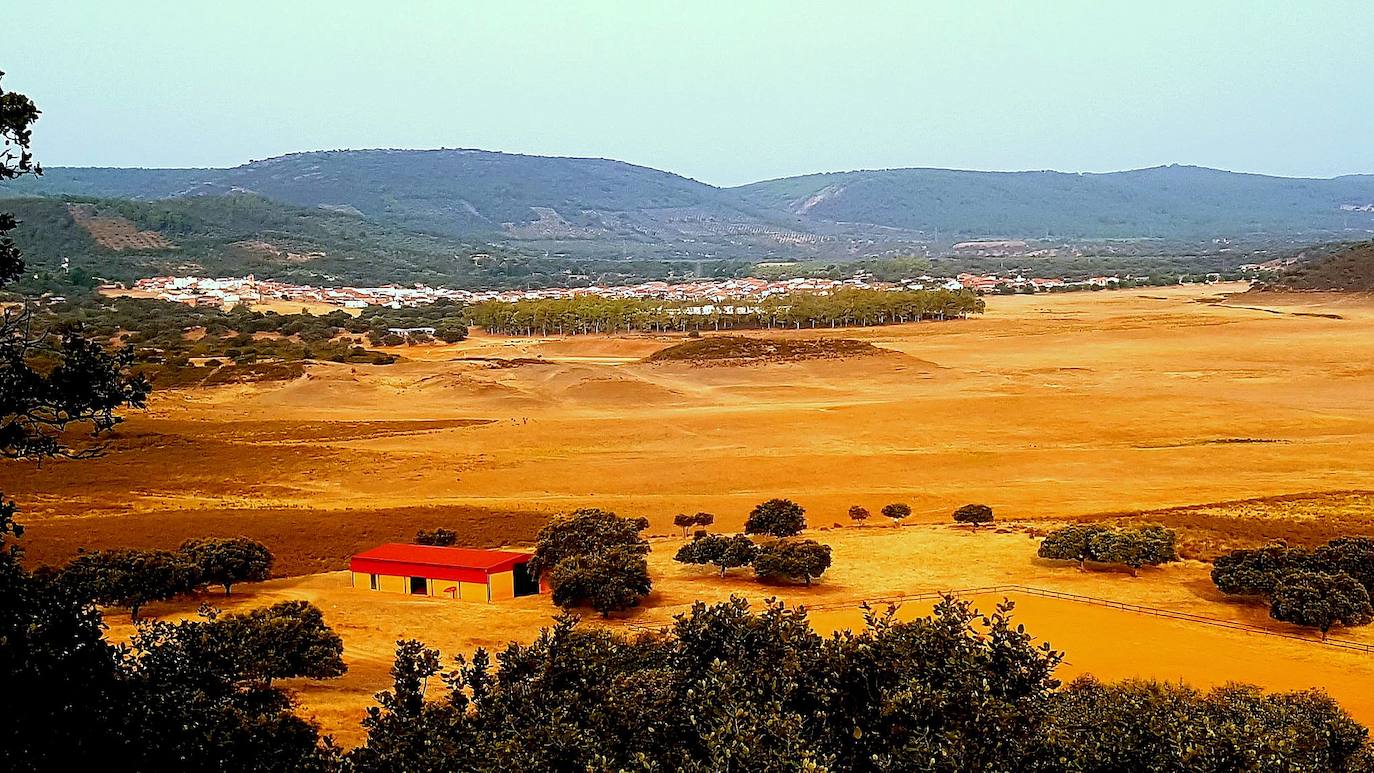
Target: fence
<point x="1138" y="608"/>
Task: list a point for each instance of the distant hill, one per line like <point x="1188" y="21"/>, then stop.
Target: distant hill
<point x="1340" y="268"/>
<point x="464" y="193"/>
<point x="587" y="208"/>
<point x="1171" y="202"/>
<point x="238" y="234"/>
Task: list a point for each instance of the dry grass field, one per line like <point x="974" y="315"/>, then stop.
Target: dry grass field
<point x="1235" y="421"/>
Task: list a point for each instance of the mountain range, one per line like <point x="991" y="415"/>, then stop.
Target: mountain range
<point x="450" y="200"/>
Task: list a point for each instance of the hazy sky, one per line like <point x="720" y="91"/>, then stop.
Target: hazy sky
<point x="726" y="92"/>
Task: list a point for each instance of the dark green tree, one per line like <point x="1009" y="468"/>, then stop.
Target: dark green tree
<point x="286" y="640"/>
<point x="441" y="537"/>
<point x="1160" y="726"/>
<point x="897" y="511"/>
<point x="776" y="518"/>
<point x="611" y="582"/>
<point x="977" y="515"/>
<point x="723" y="552"/>
<point x="1352" y="555"/>
<point x="130" y="578"/>
<point x="1255" y="572"/>
<point x="684" y="521"/>
<point x="858" y="513"/>
<point x="229" y="560"/>
<point x="791" y="560"/>
<point x="1070" y="543"/>
<point x="586" y="532"/>
<point x="1317" y="600"/>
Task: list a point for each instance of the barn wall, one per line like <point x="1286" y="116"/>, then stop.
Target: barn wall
<point x="502" y="586"/>
<point x="472" y="591"/>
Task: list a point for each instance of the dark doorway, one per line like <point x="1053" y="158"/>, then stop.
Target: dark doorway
<point x="525" y="585"/>
<point x="418" y="586"/>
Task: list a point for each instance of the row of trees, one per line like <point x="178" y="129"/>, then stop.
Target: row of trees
<point x="840" y="308"/>
<point x="974" y="514"/>
<point x="1133" y="547"/>
<point x="1320" y="588"/>
<point x="132" y="578"/>
<point x="732" y="689"/>
<point x="789" y="560"/>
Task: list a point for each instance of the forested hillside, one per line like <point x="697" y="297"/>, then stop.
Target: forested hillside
<point x="1169" y="202"/>
<point x="600" y="208"/>
<point x="1342" y="268"/>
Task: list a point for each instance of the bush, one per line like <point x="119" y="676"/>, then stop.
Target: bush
<point x="776" y="518"/>
<point x="792" y="560"/>
<point x="974" y="514"/>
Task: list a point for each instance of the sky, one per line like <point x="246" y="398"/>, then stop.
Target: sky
<point x="724" y="92"/>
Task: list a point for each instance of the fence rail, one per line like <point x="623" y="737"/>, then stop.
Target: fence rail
<point x="1124" y="606"/>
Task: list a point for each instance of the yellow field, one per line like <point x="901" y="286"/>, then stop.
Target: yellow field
<point x="1047" y="407"/>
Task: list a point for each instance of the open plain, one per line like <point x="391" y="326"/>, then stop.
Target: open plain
<point x="1240" y="418"/>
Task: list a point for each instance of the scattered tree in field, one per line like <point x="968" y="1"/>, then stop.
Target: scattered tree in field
<point x="703" y="519"/>
<point x="791" y="560"/>
<point x="1255" y="572"/>
<point x="776" y="518"/>
<point x="973" y="514"/>
<point x="608" y="583"/>
<point x="1070" y="543"/>
<point x="440" y="537"/>
<point x="858" y="513"/>
<point x="286" y="640"/>
<point x="226" y="561"/>
<point x="897" y="511"/>
<point x="724" y="553"/>
<point x="1132" y="547"/>
<point x="1317" y="600"/>
<point x="586" y="532"/>
<point x="594" y="557"/>
<point x="684" y="521"/>
<point x="130" y="578"/>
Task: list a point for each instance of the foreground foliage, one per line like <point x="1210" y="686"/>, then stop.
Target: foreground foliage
<point x="727" y="688"/>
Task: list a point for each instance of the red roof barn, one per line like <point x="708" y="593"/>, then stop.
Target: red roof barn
<point x="469" y="574"/>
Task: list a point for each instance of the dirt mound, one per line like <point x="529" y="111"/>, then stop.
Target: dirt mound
<point x="724" y="350"/>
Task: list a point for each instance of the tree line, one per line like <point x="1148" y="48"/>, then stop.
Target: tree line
<point x="845" y="307"/>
